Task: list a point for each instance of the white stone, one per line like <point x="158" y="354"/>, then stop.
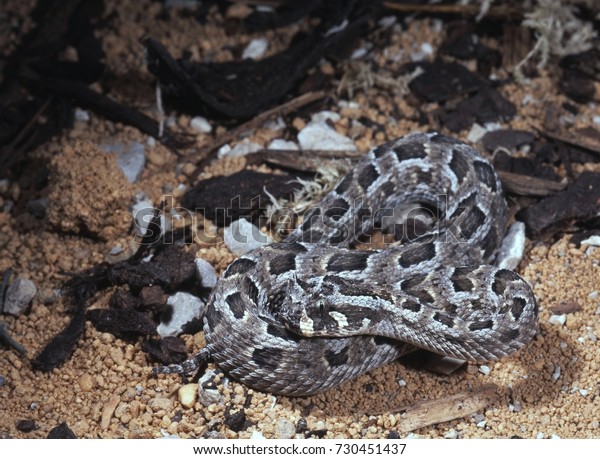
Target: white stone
<point x="320" y="136"/>
<point x="451" y="434"/>
<point x="242" y="237"/>
<point x="186" y="307"/>
<point x="276" y="124"/>
<point x="82" y="115"/>
<point x="476" y="133"/>
<point x="206" y="272"/>
<point x="592" y="240"/>
<point x="556" y="373"/>
<point x="256" y="435"/>
<point x="255" y="49"/>
<point x="143" y="213"/>
<point x="200" y="124"/>
<point x="285" y="429"/>
<point x="208" y="396"/>
<point x="131" y="158"/>
<point x="281" y="144"/>
<point x="558" y="319"/>
<point x="358" y="53"/>
<point x="387" y="21"/>
<point x="241" y="149"/>
<point x="484" y="369"/>
<point x="18" y="296"/>
<point x="324" y="116"/>
<point x="512" y="247"/>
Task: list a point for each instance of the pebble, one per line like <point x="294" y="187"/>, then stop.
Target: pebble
<point x="451" y="434"/>
<point x="160" y="403"/>
<point x="281" y="144"/>
<point x="592" y="240"/>
<point x="484" y="369"/>
<point x="86" y="382"/>
<point x="556" y="373"/>
<point x="108" y="410"/>
<point x="2" y="381"/>
<point x="18" y="296"/>
<point x="208" y="395"/>
<point x="200" y="124"/>
<point x="186" y="307"/>
<point x="188" y="395"/>
<point x="131" y="158"/>
<point x="242" y="237"/>
<point x="320" y="136"/>
<point x="255" y="49"/>
<point x="256" y="435"/>
<point x="324" y="116"/>
<point x="285" y="429"/>
<point x="37" y="207"/>
<point x="143" y="213"/>
<point x="82" y="115"/>
<point x="476" y="133"/>
<point x="242" y="148"/>
<point x="558" y="319"/>
<point x="512" y="247"/>
<point x="206" y="272"/>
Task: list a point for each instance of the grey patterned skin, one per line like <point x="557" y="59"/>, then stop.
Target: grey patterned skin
<point x="307" y="314"/>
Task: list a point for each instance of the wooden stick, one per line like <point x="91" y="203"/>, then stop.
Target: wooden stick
<point x="429" y="412"/>
<point x="254" y="123"/>
<point x="526" y="185"/>
<point x="464" y="10"/>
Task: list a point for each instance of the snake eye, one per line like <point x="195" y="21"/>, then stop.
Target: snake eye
<point x="323" y="306"/>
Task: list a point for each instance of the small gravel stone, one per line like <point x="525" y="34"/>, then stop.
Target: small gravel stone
<point x="206" y="272"/>
<point x="200" y="124"/>
<point x="558" y="319"/>
<point x="255" y="49"/>
<point x="86" y="382"/>
<point x="484" y="369"/>
<point x="451" y="434"/>
<point x="513" y="247"/>
<point x="2" y="381"/>
<point x="281" y="144"/>
<point x="130" y="158"/>
<point x="207" y="393"/>
<point x="186" y="307"/>
<point x="160" y="403"/>
<point x="556" y="373"/>
<point x="285" y="429"/>
<point x="82" y="115"/>
<point x="18" y="296"/>
<point x="37" y="207"/>
<point x="242" y="148"/>
<point x="188" y="395"/>
<point x="108" y="410"/>
<point x="242" y="237"/>
<point x="143" y="213"/>
<point x="256" y="435"/>
<point x="320" y="136"/>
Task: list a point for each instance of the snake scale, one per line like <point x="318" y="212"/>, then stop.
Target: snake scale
<point x="306" y="314"/>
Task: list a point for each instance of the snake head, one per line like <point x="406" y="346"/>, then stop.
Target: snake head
<point x="319" y="312"/>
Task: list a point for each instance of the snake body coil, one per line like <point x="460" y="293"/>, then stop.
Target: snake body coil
<point x="309" y="313"/>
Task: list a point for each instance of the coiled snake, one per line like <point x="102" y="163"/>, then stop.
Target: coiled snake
<point x="304" y="315"/>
